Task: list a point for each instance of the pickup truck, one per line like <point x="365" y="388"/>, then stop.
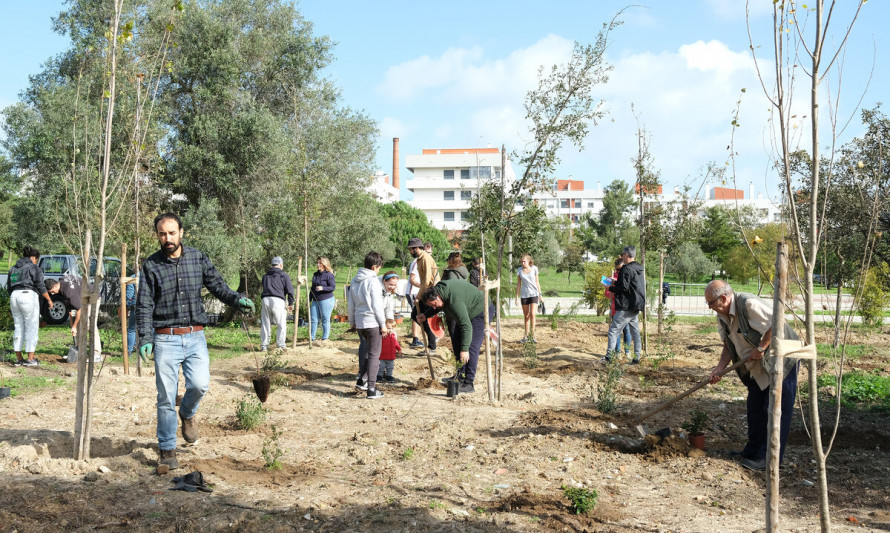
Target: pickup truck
<point x="57" y="266"/>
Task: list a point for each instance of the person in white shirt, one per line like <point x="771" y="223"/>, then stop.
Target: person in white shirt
<point x="528" y="291"/>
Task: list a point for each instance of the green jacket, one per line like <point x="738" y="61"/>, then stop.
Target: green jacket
<point x="463" y="302"/>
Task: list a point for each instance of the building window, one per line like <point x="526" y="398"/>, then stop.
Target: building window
<point x="482" y="172"/>
<point x="591" y="205"/>
<point x="564" y="204"/>
<point x="448" y="195"/>
<point x="466" y="195"/>
<point x="497" y="174"/>
<point x="464" y="173"/>
<point x="464" y="216"/>
<point x="449" y="174"/>
<point x="449" y="216"/>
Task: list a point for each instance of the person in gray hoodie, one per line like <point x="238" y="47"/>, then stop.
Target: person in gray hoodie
<point x="366" y="315"/>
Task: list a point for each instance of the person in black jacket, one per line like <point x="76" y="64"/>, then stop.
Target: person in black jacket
<point x="25" y="285"/>
<point x="630" y="298"/>
<point x="278" y="297"/>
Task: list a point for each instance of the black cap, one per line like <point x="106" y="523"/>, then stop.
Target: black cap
<point x="415" y="243"/>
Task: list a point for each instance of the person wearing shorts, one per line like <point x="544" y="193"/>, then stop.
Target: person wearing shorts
<point x="528" y="291"/>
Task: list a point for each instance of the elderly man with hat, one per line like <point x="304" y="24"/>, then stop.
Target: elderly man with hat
<point x="278" y="297"/>
<point x="427" y="276"/>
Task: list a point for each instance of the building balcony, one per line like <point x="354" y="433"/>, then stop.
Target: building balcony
<point x="429" y="204"/>
<point x="441" y="184"/>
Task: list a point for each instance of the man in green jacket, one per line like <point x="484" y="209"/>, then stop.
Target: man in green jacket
<point x="464" y="304"/>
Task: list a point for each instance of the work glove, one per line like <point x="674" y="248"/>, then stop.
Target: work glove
<point x="145" y="350"/>
<point x="246" y="306"/>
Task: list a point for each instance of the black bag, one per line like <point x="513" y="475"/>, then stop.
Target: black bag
<point x="542" y="310"/>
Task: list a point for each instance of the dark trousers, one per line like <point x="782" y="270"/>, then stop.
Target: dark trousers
<point x="468" y="370"/>
<point x="758" y="416"/>
<point x="420" y="307"/>
<point x="370" y="342"/>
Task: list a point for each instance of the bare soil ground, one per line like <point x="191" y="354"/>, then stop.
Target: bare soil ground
<point x="416" y="460"/>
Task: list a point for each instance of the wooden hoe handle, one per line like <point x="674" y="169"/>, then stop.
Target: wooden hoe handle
<point x="680" y="396"/>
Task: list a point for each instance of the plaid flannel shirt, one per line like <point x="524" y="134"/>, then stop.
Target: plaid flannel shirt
<point x="170" y="292"/>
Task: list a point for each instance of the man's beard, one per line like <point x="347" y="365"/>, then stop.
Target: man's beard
<point x="170" y="248"/>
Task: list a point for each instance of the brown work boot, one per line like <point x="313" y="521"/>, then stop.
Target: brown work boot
<point x="189" y="429"/>
<point x="168" y="457"/>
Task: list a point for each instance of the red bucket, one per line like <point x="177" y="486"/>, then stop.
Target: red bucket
<point x="436" y="326"/>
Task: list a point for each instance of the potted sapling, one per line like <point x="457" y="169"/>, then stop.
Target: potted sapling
<point x="698" y="420"/>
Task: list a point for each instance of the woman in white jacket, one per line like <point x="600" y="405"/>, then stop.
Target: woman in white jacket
<point x="366" y="315"/>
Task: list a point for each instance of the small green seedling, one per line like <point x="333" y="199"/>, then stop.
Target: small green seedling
<point x="583" y="500"/>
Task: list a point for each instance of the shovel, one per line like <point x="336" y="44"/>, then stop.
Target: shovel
<point x="637" y="424"/>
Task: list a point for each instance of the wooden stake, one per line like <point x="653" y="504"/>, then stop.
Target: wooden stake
<point x="308" y="282"/>
<point x="493" y="383"/>
<point x="488" y="375"/>
<point x="777" y="370"/>
<point x="123" y="309"/>
<point x="297" y="301"/>
<point x="499" y="354"/>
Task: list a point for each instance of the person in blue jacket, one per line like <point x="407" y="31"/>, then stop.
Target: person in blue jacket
<point x="321" y="298"/>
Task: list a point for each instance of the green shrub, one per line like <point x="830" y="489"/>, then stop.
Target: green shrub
<point x="874" y="298"/>
<point x="530" y="352"/>
<point x="606" y="394"/>
<point x="594" y="293"/>
<point x="697" y="422"/>
<point x="860" y="387"/>
<point x="272" y="452"/>
<point x="583" y="500"/>
<point x="408" y="454"/>
<point x="249" y="413"/>
<point x="6" y="322"/>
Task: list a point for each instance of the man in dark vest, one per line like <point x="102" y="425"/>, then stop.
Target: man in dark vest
<point x="745" y="323"/>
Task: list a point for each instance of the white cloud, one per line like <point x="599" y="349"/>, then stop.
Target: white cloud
<point x="466" y="76"/>
<point x="715" y="56"/>
<point x="685" y="98"/>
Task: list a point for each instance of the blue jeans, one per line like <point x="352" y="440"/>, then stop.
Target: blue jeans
<point x="321" y="312"/>
<point x="172" y="351"/>
<point x="386" y="368"/>
<point x="625" y="335"/>
<point x="623" y="319"/>
<point x="131" y="331"/>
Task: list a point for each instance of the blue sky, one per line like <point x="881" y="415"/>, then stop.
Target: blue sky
<point x="454" y="74"/>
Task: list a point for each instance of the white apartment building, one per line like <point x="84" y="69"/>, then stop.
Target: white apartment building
<point x="767" y="210"/>
<point x="446" y="179"/>
<point x="570" y="200"/>
<point x="381" y="189"/>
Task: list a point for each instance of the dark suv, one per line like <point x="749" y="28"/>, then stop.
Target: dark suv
<point x="58" y="266"/>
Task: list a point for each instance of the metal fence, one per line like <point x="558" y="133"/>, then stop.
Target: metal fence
<point x="686" y="299"/>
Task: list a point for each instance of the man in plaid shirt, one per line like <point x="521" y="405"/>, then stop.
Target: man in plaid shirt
<point x="170" y="318"/>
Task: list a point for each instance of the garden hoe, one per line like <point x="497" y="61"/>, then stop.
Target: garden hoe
<point x="637" y="423"/>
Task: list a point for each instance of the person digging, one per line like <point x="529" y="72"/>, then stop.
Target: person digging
<point x="745" y="325"/>
<point x="465" y="305"/>
<point x="170" y="318"/>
